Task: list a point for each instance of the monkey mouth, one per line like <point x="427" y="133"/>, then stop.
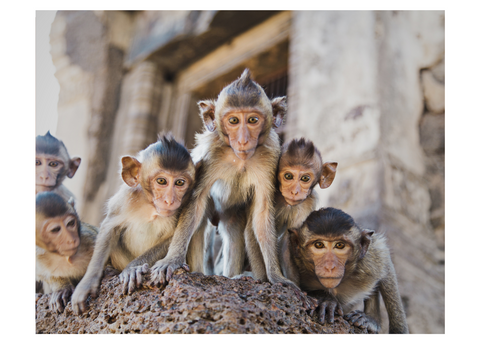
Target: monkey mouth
<point x="44" y="187"/>
<point x="244" y="154"/>
<point x="69" y="252"/>
<point x="293" y="202"/>
<point x="330" y="282"/>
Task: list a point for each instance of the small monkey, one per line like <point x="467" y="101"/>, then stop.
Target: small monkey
<point x="141" y="216"/>
<point x="237" y="156"/>
<point x="300" y="169"/>
<point x="332" y="259"/>
<point x="64" y="246"/>
<point x="52" y="165"/>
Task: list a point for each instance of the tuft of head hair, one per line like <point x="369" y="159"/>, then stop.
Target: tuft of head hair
<point x="48" y="144"/>
<point x="329" y="221"/>
<point x="171" y="154"/>
<point x="301" y="152"/>
<point x="50" y="204"/>
<point x="244" y="92"/>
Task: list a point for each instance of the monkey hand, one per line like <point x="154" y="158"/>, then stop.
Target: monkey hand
<point x="60" y="298"/>
<point x="81" y="293"/>
<point x="359" y="319"/>
<point x="328" y="305"/>
<point x="132" y="277"/>
<point x="163" y="270"/>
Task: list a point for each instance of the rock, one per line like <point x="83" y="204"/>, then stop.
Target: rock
<point x="191" y="303"/>
<point x="434" y="92"/>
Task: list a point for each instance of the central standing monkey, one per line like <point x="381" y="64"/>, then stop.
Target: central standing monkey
<point x="236" y="157"/>
<point x="141" y="216"/>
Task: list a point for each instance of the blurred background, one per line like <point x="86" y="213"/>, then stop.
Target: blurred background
<point x="367" y="87"/>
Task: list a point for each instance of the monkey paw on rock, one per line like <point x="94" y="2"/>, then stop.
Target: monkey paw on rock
<point x="358" y="318"/>
<point x="60" y="298"/>
<point x="328" y="306"/>
<point x="132" y="277"/>
<point x="162" y="272"/>
<point x="80" y="295"/>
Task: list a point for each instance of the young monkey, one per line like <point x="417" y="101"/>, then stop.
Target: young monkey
<point x="64" y="246"/>
<point x="141" y="216"/>
<point x="300" y="169"/>
<point x="52" y="165"/>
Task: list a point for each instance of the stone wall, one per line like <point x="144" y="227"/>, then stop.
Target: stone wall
<point x="357" y="86"/>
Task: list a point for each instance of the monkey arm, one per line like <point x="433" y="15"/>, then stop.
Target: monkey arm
<point x="91" y="281"/>
<point x="132" y="275"/>
<point x="391" y="296"/>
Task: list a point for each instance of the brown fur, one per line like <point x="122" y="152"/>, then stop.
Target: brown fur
<point x="135" y="233"/>
<point x="368" y="271"/>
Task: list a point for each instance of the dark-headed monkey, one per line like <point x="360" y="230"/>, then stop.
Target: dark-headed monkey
<point x="300" y="169"/>
<point x="141" y="216"/>
<point x="236" y="157"/>
<point x="334" y="260"/>
<point x="52" y="165"/>
<point x="64" y="247"/>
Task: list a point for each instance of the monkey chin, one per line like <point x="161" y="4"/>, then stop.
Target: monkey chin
<point x="162" y="212"/>
<point x="244" y="154"/>
<point x="330" y="282"/>
<point x="293" y="202"/>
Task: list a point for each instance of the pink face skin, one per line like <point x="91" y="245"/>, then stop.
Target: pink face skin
<point x="47" y="169"/>
<point x="330" y="256"/>
<point x="60" y="234"/>
<point x="168" y="190"/>
<point x="295" y="183"/>
<point x="242" y="130"/>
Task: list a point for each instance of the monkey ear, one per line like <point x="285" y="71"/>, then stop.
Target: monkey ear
<point x="365" y="240"/>
<point x="279" y="109"/>
<point x="73" y="166"/>
<point x="207" y="113"/>
<point x="131" y="171"/>
<point x="293" y="235"/>
<point x="329" y="170"/>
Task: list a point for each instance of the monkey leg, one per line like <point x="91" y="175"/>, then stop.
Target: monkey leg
<point x="196" y="248"/>
<point x="255" y="256"/>
<point x="209" y="250"/>
<point x="233" y="249"/>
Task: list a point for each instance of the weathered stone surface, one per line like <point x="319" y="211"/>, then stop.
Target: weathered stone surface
<point x="434" y="92"/>
<point x="190" y="303"/>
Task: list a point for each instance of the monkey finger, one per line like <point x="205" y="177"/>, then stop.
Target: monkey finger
<point x="170" y="271"/>
<point x="186" y="267"/>
<point x="131" y="282"/>
<point x="139" y="276"/>
<point x="339" y="310"/>
<point x="321" y="313"/>
<point x="124" y="280"/>
<point x="331" y="311"/>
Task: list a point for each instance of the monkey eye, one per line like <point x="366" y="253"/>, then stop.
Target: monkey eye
<point x="288" y="176"/>
<point x="253" y="120"/>
<point x="55" y="230"/>
<point x="37" y="163"/>
<point x="318" y="245"/>
<point x="305" y="178"/>
<point x="53" y="164"/>
<point x="71" y="223"/>
<point x="162" y="181"/>
<point x="340" y="245"/>
<point x="180" y="182"/>
<point x="233" y="120"/>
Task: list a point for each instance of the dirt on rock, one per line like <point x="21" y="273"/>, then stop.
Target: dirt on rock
<point x="191" y="303"/>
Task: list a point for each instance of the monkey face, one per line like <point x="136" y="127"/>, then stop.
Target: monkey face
<point x="60" y="234"/>
<point x="329" y="257"/>
<point x="47" y="168"/>
<point x="296" y="183"/>
<point x="168" y="190"/>
<point x="242" y="131"/>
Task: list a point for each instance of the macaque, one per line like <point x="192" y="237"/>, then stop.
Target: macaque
<point x="236" y="157"/>
<point x="141" y="216"/>
<point x="300" y="169"/>
<point x="64" y="247"/>
<point x="52" y="165"/>
<point x="332" y="259"/>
